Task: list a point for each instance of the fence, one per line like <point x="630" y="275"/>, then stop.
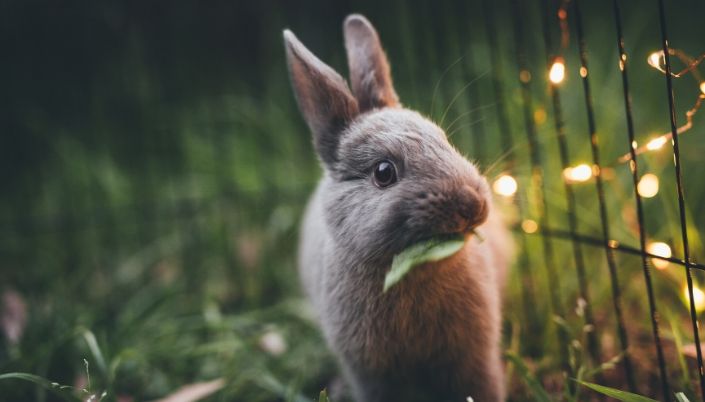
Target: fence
<point x="557" y="14"/>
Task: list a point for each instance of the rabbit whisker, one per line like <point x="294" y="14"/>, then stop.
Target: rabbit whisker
<point x="458" y="93"/>
<point x="440" y="79"/>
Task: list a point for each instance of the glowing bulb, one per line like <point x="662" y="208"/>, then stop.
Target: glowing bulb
<point x="698" y="298"/>
<point x="577" y="174"/>
<point x="702" y="87"/>
<point x="655" y="60"/>
<point x="656" y="143"/>
<point x="505" y="185"/>
<point x="583" y="72"/>
<point x="648" y="185"/>
<point x="529" y="226"/>
<point x="557" y="72"/>
<point x="662" y="250"/>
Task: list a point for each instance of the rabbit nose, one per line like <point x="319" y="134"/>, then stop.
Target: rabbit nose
<point x="471" y="208"/>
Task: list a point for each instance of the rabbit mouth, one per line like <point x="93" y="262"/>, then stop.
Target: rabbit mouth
<point x="441" y="237"/>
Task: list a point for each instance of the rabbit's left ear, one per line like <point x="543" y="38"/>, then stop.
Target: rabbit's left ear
<point x="370" y="77"/>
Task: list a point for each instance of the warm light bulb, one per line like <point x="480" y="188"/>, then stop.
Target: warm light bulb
<point x="529" y="226"/>
<point x="557" y="72"/>
<point x="648" y="185"/>
<point x="660" y="249"/>
<point x="656" y="143"/>
<point x="505" y="185"/>
<point x="577" y="174"/>
<point x="702" y="87"/>
<point x="655" y="59"/>
<point x="698" y="298"/>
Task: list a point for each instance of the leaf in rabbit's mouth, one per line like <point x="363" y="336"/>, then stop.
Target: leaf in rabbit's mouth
<point x="431" y="250"/>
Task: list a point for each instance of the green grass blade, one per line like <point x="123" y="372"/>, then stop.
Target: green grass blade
<point x="96" y="352"/>
<point x="680" y="397"/>
<point x="537" y="390"/>
<point x="60" y="390"/>
<point x="615" y="393"/>
<point x="678" y="339"/>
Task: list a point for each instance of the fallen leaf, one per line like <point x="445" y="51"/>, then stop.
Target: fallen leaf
<point x="194" y="392"/>
<point x="689" y="350"/>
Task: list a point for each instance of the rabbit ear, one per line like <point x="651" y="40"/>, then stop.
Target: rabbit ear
<point x="369" y="70"/>
<point x="323" y="97"/>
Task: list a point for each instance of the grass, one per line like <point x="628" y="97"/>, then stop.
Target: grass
<point x="155" y="171"/>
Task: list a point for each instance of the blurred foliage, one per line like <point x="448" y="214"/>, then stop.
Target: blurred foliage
<point x="154" y="169"/>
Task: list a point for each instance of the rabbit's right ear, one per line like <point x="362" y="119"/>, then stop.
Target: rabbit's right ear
<point x="323" y="97"/>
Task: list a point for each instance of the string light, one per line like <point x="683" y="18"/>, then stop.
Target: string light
<point x="656" y="143"/>
<point x="698" y="298"/>
<point x="505" y="186"/>
<point x="557" y="72"/>
<point x="578" y="174"/>
<point x="648" y="185"/>
<point x="662" y="250"/>
<point x="529" y="226"/>
<point x="654" y="59"/>
<point x="657" y="60"/>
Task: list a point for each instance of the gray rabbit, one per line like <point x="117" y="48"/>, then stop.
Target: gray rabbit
<point x="391" y="179"/>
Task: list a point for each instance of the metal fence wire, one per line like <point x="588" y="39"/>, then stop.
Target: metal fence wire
<point x="558" y="14"/>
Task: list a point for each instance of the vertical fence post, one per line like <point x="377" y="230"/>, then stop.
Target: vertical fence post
<point x="681" y="194"/>
<point x="595" y="150"/>
<point x="639" y="210"/>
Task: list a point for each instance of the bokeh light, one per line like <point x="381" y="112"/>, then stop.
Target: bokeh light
<point x="529" y="226"/>
<point x="578" y="174"/>
<point x="698" y="298"/>
<point x="660" y="249"/>
<point x="505" y="186"/>
<point x="557" y="72"/>
<point x="648" y="185"/>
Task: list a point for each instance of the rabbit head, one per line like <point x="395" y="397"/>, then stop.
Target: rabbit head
<point x="391" y="176"/>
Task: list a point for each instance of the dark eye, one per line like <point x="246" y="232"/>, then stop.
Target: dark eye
<point x="385" y="174"/>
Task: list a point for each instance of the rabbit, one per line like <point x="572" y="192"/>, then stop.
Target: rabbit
<point x="391" y="179"/>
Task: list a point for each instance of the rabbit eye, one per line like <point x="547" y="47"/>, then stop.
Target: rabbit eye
<point x="385" y="174"/>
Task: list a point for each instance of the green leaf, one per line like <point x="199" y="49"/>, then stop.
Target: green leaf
<point x="539" y="393"/>
<point x="429" y="251"/>
<point x="615" y="393"/>
<point x="62" y="391"/>
<point x="678" y="339"/>
<point x="680" y="397"/>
